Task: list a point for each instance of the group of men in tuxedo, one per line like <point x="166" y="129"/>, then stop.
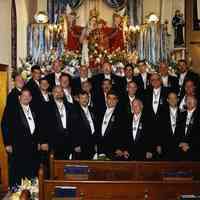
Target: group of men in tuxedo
<point x="144" y="117"/>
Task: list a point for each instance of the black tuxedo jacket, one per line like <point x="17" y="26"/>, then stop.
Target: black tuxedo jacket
<point x="51" y="80"/>
<point x="155" y="119"/>
<point x="170" y="139"/>
<point x="111" y="141"/>
<point x="11" y="105"/>
<point x="173" y="84"/>
<point x="82" y="134"/>
<point x="59" y="138"/>
<point x="140" y="83"/>
<point x="191" y="137"/>
<point x="189" y="76"/>
<point x="137" y="148"/>
<point x="35" y="92"/>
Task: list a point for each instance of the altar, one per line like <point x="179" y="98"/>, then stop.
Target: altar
<point x="121" y="36"/>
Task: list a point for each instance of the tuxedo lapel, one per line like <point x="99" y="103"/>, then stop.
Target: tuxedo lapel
<point x="58" y="117"/>
<point x="110" y="123"/>
<point x="85" y="118"/>
<point x="139" y="130"/>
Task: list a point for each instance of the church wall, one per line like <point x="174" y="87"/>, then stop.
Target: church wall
<point x="5" y="32"/>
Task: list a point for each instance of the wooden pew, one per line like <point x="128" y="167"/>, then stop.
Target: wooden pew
<point x="130" y="170"/>
<point x="120" y="190"/>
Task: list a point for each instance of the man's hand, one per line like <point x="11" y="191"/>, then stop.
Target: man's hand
<point x="184" y="146"/>
<point x="9" y="149"/>
<point x="159" y="149"/>
<point x="44" y="147"/>
<point x="119" y="153"/>
<point x="77" y="149"/>
<point x="126" y="154"/>
<point x="149" y="155"/>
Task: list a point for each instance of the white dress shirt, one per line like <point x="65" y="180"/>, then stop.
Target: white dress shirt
<point x="173" y="117"/>
<point x="131" y="99"/>
<point x="188" y="119"/>
<point x="45" y="96"/>
<point x="182" y="78"/>
<point x="83" y="79"/>
<point x="156" y="98"/>
<point x="107" y="76"/>
<point x="89" y="118"/>
<point x="128" y="80"/>
<point x="68" y="96"/>
<point x="144" y="78"/>
<point x="57" y="78"/>
<point x="165" y="81"/>
<point x="183" y="104"/>
<point x="135" y="124"/>
<point x="62" y="112"/>
<point x="37" y="82"/>
<point x="29" y="117"/>
<point x="106" y="119"/>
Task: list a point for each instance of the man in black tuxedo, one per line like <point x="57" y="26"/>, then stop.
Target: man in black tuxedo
<point x="59" y="124"/>
<point x="24" y="140"/>
<point x="110" y="127"/>
<point x="66" y="84"/>
<point x="143" y="78"/>
<point x="87" y="87"/>
<point x="107" y="74"/>
<point x="186" y="74"/>
<point x="83" y="76"/>
<point x="129" y="76"/>
<point x="84" y="129"/>
<point x="33" y="85"/>
<point x="12" y="101"/>
<point x="129" y="97"/>
<point x="54" y="77"/>
<point x="189" y="90"/>
<point x="171" y="127"/>
<point x="101" y="96"/>
<point x="136" y="145"/>
<point x="168" y="81"/>
<point x="155" y="102"/>
<point x="189" y="135"/>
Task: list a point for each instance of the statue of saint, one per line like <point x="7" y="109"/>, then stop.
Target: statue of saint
<point x="178" y="24"/>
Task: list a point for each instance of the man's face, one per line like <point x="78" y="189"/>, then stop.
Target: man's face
<point x="57" y="67"/>
<point x="58" y="93"/>
<point x="36" y="74"/>
<point x="83" y="100"/>
<point x="132" y="88"/>
<point x="107" y="68"/>
<point x="172" y="99"/>
<point x="106" y="86"/>
<point x="25" y="98"/>
<point x="83" y="72"/>
<point x="44" y="85"/>
<point x="112" y="101"/>
<point x="189" y="88"/>
<point x="136" y="107"/>
<point x="64" y="82"/>
<point x="163" y="69"/>
<point x="182" y="67"/>
<point x="129" y="72"/>
<point x="87" y="87"/>
<point x="191" y="103"/>
<point x="155" y="81"/>
<point x="142" y="67"/>
<point x="19" y="82"/>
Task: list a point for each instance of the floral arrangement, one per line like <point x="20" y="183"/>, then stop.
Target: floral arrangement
<point x="29" y="189"/>
<point x="72" y="60"/>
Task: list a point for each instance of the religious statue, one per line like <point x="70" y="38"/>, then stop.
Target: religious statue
<point x="178" y="24"/>
<point x="72" y="41"/>
<point x="89" y="37"/>
<point x="117" y="37"/>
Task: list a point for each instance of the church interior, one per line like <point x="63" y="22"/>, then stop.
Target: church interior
<point x="99" y="99"/>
